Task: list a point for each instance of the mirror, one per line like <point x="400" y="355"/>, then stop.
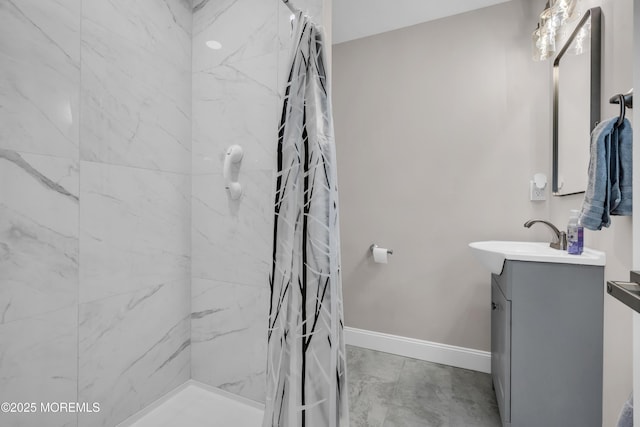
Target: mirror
<point x="576" y="104"/>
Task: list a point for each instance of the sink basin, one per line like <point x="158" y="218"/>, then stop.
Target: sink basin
<point x="492" y="254"/>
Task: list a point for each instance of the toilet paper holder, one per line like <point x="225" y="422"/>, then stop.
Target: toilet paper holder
<point x="373" y="246"/>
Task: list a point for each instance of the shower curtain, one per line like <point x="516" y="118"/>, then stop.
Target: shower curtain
<point x="306" y="370"/>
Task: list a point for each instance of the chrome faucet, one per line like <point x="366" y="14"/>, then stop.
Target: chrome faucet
<point x="560" y="241"/>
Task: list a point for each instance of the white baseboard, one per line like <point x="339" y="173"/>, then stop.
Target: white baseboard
<point x="460" y="357"/>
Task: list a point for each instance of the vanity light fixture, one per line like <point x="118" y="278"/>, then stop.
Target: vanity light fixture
<point x="552" y="27"/>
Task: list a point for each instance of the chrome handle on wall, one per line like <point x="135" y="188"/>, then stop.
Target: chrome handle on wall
<point x="234" y="155"/>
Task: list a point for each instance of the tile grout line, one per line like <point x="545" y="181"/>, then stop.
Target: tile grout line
<point x="80" y="103"/>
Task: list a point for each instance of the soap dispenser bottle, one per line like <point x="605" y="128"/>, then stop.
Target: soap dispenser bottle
<point x="575" y="234"/>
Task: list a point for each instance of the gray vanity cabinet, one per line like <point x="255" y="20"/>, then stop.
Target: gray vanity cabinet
<point x="501" y="349"/>
<point x="546" y="344"/>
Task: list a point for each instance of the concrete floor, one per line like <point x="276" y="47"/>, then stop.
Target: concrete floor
<point x="386" y="390"/>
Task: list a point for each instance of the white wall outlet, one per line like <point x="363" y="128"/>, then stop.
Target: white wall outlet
<point x="536" y="193"/>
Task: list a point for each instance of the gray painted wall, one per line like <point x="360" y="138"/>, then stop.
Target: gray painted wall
<point x="439" y="128"/>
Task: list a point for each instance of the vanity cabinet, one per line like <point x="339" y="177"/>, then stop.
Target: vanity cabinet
<point x="546" y="344"/>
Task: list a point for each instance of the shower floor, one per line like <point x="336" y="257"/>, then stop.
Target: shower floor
<point x="195" y="406"/>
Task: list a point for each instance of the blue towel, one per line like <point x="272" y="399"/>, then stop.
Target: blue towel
<point x="624" y="162"/>
<point x="609" y="185"/>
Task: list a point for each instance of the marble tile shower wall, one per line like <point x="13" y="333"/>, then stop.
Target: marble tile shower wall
<point x="95" y="173"/>
<point x="236" y="100"/>
<point x="112" y="199"/>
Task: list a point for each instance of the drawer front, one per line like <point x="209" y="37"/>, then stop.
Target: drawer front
<point x="501" y="350"/>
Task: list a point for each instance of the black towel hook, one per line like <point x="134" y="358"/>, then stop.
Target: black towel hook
<point x="623" y="109"/>
<point x="625" y="101"/>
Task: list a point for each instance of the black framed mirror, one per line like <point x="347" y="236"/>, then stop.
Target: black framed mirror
<point x="576" y="103"/>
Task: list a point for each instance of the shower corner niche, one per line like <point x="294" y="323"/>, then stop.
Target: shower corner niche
<point x="546" y="343"/>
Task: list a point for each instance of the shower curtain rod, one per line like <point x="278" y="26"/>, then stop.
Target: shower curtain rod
<point x="290" y="5"/>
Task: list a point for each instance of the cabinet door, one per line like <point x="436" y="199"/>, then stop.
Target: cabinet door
<point x="501" y="350"/>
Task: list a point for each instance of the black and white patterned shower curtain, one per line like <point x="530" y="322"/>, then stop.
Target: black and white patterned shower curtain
<point x="306" y="371"/>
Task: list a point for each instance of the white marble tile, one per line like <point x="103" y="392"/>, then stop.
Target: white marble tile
<point x="38" y="234"/>
<point x="133" y="348"/>
<point x="245" y="28"/>
<point x="159" y="27"/>
<point x="39" y="361"/>
<point x="134" y="229"/>
<point x="236" y="104"/>
<point x="286" y="28"/>
<point x="231" y="239"/>
<point x="136" y="103"/>
<point x="229" y="336"/>
<point x="40" y="78"/>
